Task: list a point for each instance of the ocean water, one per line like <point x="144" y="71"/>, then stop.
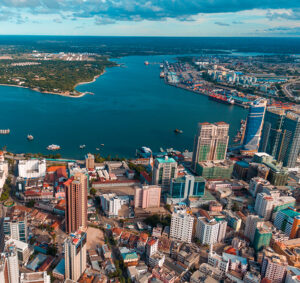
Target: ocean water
<point x="131" y="107"/>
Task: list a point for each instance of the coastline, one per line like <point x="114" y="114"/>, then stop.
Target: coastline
<point x="80" y="94"/>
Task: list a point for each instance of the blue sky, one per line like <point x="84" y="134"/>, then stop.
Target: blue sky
<point x="151" y="17"/>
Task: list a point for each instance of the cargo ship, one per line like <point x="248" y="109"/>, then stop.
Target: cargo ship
<point x="53" y="147"/>
<point x="4" y="132"/>
<point x="221" y="98"/>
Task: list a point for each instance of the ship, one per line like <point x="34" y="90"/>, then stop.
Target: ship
<point x="146" y="63"/>
<point x="177" y="131"/>
<point x="97" y="148"/>
<point x="161" y="66"/>
<point x="162" y="75"/>
<point x="30" y="137"/>
<point x="53" y="147"/>
<point x="221" y="98"/>
<point x="4" y="132"/>
<point x="82" y="146"/>
<point x="102" y="144"/>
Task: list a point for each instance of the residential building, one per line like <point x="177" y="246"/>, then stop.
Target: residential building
<point x="254" y="123"/>
<point x="76" y="202"/>
<point x="32" y="168"/>
<point x="289" y="148"/>
<point x="15" y="224"/>
<point x="3" y="170"/>
<point x="151" y="247"/>
<point x="75" y="255"/>
<point x="210" y="143"/>
<point x="184" y="187"/>
<point x="207" y="230"/>
<point x="35" y="277"/>
<point x="9" y="266"/>
<point x="252" y="223"/>
<point x="22" y="249"/>
<point x="264" y="205"/>
<point x="256" y="185"/>
<point x="262" y="236"/>
<point x="273" y="266"/>
<point x="164" y="170"/>
<point x="215" y="169"/>
<point x="182" y="223"/>
<point x="90" y="161"/>
<point x="111" y="203"/>
<point x="147" y="196"/>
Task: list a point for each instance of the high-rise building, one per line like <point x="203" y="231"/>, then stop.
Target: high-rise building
<point x="273" y="266"/>
<point x="76" y="202"/>
<point x="252" y="223"/>
<point x="184" y="187"/>
<point x="254" y="123"/>
<point x="264" y="205"/>
<point x="90" y="161"/>
<point x="35" y="277"/>
<point x="271" y="131"/>
<point x="207" y="230"/>
<point x="289" y="144"/>
<point x="182" y="223"/>
<point x="263" y="235"/>
<point x="32" y="168"/>
<point x="75" y="255"/>
<point x="111" y="204"/>
<point x="15" y="224"/>
<point x="147" y="196"/>
<point x="23" y="250"/>
<point x="210" y="143"/>
<point x="165" y="169"/>
<point x="9" y="265"/>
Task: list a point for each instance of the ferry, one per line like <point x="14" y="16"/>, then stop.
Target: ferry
<point x="222" y="99"/>
<point x="146" y="63"/>
<point x="53" y="147"/>
<point x="177" y="131"/>
<point x="82" y="146"/>
<point x="4" y="132"/>
<point x="30" y="137"/>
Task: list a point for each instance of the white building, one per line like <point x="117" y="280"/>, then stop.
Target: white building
<point x="264" y="205"/>
<point x="182" y="225"/>
<point x="207" y="230"/>
<point x="151" y="247"/>
<point x="3" y="170"/>
<point x="111" y="203"/>
<point x="32" y="168"/>
<point x="38" y="277"/>
<point x="22" y="249"/>
<point x="251" y="225"/>
<point x="222" y="230"/>
<point x="9" y="266"/>
<point x="256" y="184"/>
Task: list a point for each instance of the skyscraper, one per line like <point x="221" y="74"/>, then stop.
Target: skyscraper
<point x="210" y="143"/>
<point x="271" y="131"/>
<point x="9" y="265"/>
<point x="90" y="161"/>
<point x="289" y="142"/>
<point x="254" y="125"/>
<point x="75" y="255"/>
<point x="76" y="202"/>
<point x="165" y="169"/>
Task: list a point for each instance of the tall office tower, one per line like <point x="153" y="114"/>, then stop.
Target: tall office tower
<point x="90" y="161"/>
<point x="182" y="223"/>
<point x="207" y="230"/>
<point x="210" y="143"/>
<point x="254" y="125"/>
<point x="147" y="196"/>
<point x="289" y="142"/>
<point x="76" y="202"/>
<point x="273" y="266"/>
<point x="271" y="132"/>
<point x="75" y="255"/>
<point x="252" y="223"/>
<point x="9" y="266"/>
<point x="15" y="224"/>
<point x="165" y="169"/>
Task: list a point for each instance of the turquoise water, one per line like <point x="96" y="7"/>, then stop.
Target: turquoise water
<point x="132" y="107"/>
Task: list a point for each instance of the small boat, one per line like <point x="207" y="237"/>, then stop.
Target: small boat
<point x="161" y="66"/>
<point x="82" y="146"/>
<point x="177" y="131"/>
<point x="146" y="63"/>
<point x="53" y="147"/>
<point x="162" y="75"/>
<point x="30" y="137"/>
<point x="162" y="150"/>
<point x="97" y="148"/>
<point x="102" y="144"/>
<point x="4" y="132"/>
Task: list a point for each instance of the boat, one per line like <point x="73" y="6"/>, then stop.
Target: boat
<point x="161" y="66"/>
<point x="53" y="147"/>
<point x="4" y="132"/>
<point x="222" y="99"/>
<point x="177" y="131"/>
<point x="146" y="63"/>
<point x="102" y="144"/>
<point x="162" y="75"/>
<point x="82" y="146"/>
<point x="97" y="148"/>
<point x="30" y="137"/>
<point x="162" y="150"/>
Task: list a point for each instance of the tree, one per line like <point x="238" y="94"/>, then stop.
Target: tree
<point x="93" y="191"/>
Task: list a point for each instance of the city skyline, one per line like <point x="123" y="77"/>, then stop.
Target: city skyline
<point x="150" y="18"/>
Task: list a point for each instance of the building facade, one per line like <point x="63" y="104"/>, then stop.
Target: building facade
<point x="147" y="196"/>
<point x="32" y="168"/>
<point x="207" y="231"/>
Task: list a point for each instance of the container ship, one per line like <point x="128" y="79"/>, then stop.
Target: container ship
<point x="4" y="132"/>
<point x="221" y="98"/>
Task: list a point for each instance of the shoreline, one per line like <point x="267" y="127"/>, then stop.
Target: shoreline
<point x="81" y="94"/>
